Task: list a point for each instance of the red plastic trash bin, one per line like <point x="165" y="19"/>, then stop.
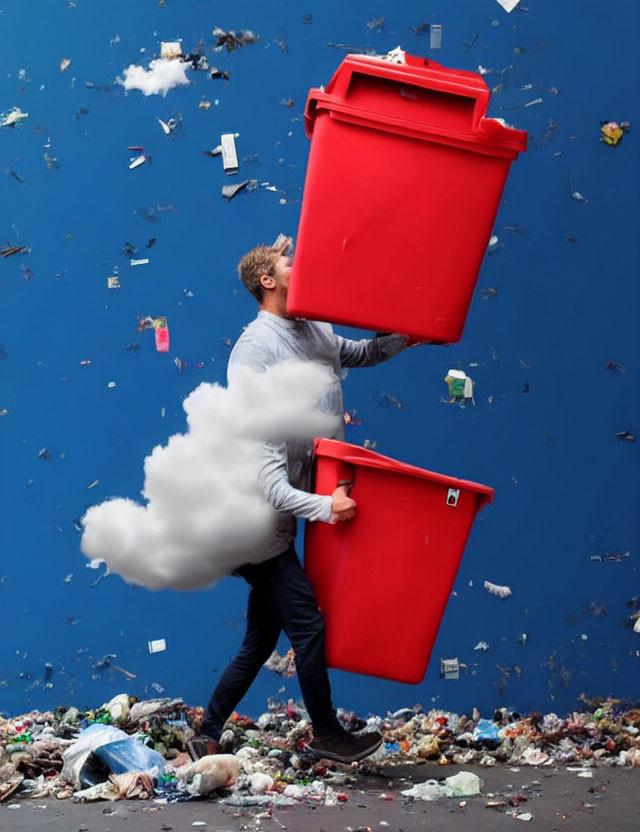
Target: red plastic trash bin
<point x="383" y="579"/>
<point x="403" y="183"/>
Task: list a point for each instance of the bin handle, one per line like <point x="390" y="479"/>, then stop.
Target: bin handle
<point x="359" y="116"/>
<point x="426" y="78"/>
<point x="353" y="462"/>
<point x="510" y="147"/>
<point x="346" y="474"/>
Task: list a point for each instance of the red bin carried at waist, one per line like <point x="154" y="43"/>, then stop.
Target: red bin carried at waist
<point x="383" y="579"/>
<point x="403" y="183"/>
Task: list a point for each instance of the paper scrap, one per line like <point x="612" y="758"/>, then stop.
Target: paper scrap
<point x="12" y="117"/>
<point x="508" y="5"/>
<point x="170" y="49"/>
<point x="139" y="160"/>
<point x="496" y="589"/>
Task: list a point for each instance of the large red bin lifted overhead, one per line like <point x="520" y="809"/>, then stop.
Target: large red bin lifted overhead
<point x="383" y="579"/>
<point x="403" y="183"/>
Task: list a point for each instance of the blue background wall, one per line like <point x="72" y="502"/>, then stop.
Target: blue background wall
<point x="566" y="487"/>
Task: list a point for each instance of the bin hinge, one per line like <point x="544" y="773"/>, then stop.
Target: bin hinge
<point x="452" y="497"/>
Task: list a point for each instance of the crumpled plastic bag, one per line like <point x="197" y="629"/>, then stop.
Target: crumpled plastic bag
<point x="260" y="783"/>
<point x="294" y="790"/>
<point x="149" y="707"/>
<point x="534" y="757"/>
<point x="129" y="754"/>
<point x="429" y="747"/>
<point x="212" y="772"/>
<point x="42" y="787"/>
<point x="247" y="756"/>
<point x="629" y="758"/>
<point x="126" y="786"/>
<point x="77" y="754"/>
<point x="10" y="780"/>
<point x="429" y="790"/>
<point x="463" y="784"/>
<point x="103" y="749"/>
<point x="43" y="756"/>
<point x="486" y="731"/>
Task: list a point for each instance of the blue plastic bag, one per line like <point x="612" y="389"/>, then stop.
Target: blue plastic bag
<point x="129" y="755"/>
<point x="101" y="750"/>
<point x="486" y="732"/>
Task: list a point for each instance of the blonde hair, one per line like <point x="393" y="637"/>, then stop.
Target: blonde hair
<point x="260" y="260"/>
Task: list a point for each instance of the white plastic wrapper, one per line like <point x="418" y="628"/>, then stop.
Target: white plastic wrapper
<point x="496" y="589"/>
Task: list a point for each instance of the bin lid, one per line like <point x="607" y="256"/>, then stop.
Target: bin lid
<point x="355" y="455"/>
<point x="344" y="99"/>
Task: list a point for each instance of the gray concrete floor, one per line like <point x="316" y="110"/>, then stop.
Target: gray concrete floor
<point x="557" y="804"/>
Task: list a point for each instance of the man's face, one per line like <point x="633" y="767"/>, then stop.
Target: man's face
<point x="284" y="262"/>
<point x="277" y="283"/>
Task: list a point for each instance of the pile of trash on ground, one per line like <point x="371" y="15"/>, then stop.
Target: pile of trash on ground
<point x="137" y="749"/>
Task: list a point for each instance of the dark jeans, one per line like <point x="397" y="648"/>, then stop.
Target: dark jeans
<point x="280" y="598"/>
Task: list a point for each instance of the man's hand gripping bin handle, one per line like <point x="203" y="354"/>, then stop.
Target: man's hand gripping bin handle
<point x="335" y="479"/>
<point x="346" y="475"/>
<point x="331" y="474"/>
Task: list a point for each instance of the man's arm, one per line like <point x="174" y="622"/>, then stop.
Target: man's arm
<point x="248" y="354"/>
<point x="369" y="351"/>
<point x="280" y="494"/>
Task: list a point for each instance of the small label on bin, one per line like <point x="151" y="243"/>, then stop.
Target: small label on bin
<point x="435" y="36"/>
<point x="452" y="497"/>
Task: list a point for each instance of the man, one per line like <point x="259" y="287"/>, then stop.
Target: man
<point x="280" y="596"/>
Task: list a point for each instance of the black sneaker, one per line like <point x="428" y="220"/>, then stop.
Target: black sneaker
<point x="201" y="746"/>
<point x="344" y="747"/>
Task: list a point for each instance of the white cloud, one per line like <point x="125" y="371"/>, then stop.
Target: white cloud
<point x="163" y="74"/>
<point x="205" y="511"/>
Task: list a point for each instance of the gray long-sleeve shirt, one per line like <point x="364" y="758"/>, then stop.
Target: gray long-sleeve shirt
<point x="285" y="475"/>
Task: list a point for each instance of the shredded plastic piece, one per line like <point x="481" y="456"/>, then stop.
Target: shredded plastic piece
<point x="496" y="589"/>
